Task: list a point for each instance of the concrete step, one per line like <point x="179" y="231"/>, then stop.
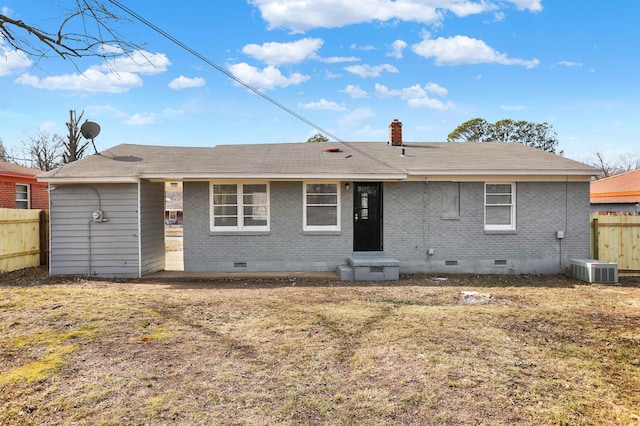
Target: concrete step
<point x="370" y="267"/>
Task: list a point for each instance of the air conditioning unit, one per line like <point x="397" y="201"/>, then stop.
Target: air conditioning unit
<point x="595" y="271"/>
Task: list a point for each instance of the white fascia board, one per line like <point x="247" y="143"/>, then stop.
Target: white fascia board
<point x="54" y="180"/>
<point x="273" y="176"/>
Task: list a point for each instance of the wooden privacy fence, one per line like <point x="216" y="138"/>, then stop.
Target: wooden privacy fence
<point x="24" y="238"/>
<point x="617" y="239"/>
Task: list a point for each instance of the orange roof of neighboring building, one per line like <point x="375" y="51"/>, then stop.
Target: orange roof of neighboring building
<point x="17" y="169"/>
<point x="622" y="188"/>
<point x="14" y="173"/>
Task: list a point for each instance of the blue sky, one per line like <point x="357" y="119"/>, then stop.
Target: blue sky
<point x="348" y="66"/>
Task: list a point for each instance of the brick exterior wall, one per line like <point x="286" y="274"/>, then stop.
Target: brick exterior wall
<point x="414" y="222"/>
<point x="285" y="248"/>
<point x="38" y="194"/>
<point x="7" y="195"/>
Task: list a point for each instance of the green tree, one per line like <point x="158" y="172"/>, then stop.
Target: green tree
<point x="536" y="135"/>
<point x="474" y="130"/>
<point x="318" y="137"/>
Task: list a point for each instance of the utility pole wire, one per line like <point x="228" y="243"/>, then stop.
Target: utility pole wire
<point x="222" y="69"/>
<point x="243" y="83"/>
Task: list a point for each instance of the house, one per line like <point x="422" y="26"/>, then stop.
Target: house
<point x="19" y="188"/>
<point x="366" y="209"/>
<point x="173" y="203"/>
<point x="617" y="195"/>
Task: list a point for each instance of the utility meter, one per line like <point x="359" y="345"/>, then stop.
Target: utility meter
<point x="97" y="216"/>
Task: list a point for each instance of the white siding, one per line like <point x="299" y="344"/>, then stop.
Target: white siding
<point x="81" y="246"/>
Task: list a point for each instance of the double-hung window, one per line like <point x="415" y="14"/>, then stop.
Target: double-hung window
<point x="499" y="206"/>
<point x="22" y="196"/>
<point x="239" y="207"/>
<point x="321" y="206"/>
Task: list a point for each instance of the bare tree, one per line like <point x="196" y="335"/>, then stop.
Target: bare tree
<point x="43" y="151"/>
<point x="82" y="29"/>
<point x="4" y="155"/>
<point x="625" y="163"/>
<point x="74" y="148"/>
<point x="628" y="162"/>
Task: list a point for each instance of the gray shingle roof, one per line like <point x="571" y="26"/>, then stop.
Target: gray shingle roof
<point x="355" y="160"/>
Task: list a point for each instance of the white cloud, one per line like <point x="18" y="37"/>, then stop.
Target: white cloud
<point x="284" y="53"/>
<point x="48" y="126"/>
<point x="91" y="80"/>
<point x="12" y="60"/>
<point x="370" y="70"/>
<point x="365" y="47"/>
<point x="115" y="75"/>
<point x="417" y="96"/>
<point x="138" y="62"/>
<point x="267" y="78"/>
<point x="300" y="16"/>
<point x="356" y="117"/>
<point x="183" y="82"/>
<point x="338" y="59"/>
<point x="396" y="49"/>
<point x="355" y="91"/>
<point x="568" y="64"/>
<point x="436" y="89"/>
<point x="459" y="50"/>
<point x="173" y="112"/>
<point x="530" y="5"/>
<point x="429" y="103"/>
<point x="323" y="104"/>
<point x="141" y="119"/>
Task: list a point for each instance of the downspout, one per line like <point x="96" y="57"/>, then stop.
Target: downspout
<point x="89" y="229"/>
<point x="564" y="270"/>
<point x="139" y="228"/>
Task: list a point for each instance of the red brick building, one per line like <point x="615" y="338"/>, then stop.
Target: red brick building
<point x="19" y="188"/>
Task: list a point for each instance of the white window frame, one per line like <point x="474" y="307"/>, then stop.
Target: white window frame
<point x="240" y="205"/>
<point x="335" y="227"/>
<point x="23" y="200"/>
<point x="512" y="205"/>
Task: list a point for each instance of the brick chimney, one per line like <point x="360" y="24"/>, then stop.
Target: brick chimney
<point x="395" y="132"/>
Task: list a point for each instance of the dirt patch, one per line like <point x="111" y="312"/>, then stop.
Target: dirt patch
<point x="543" y="350"/>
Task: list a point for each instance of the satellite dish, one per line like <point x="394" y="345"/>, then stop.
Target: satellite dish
<point x="90" y="130"/>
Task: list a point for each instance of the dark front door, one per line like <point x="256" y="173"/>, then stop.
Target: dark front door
<point x="367" y="216"/>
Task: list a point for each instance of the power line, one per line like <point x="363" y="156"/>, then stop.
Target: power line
<point x="222" y="69"/>
<point x="243" y="83"/>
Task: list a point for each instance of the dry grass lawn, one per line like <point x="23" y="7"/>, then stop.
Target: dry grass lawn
<point x="526" y="350"/>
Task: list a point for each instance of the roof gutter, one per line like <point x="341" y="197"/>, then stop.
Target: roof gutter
<point x="88" y="179"/>
<point x="418" y="172"/>
<point x="274" y="176"/>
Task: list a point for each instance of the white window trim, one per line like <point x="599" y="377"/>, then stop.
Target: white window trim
<point x="28" y="199"/>
<point x="510" y="227"/>
<point x="335" y="227"/>
<point x="239" y="191"/>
